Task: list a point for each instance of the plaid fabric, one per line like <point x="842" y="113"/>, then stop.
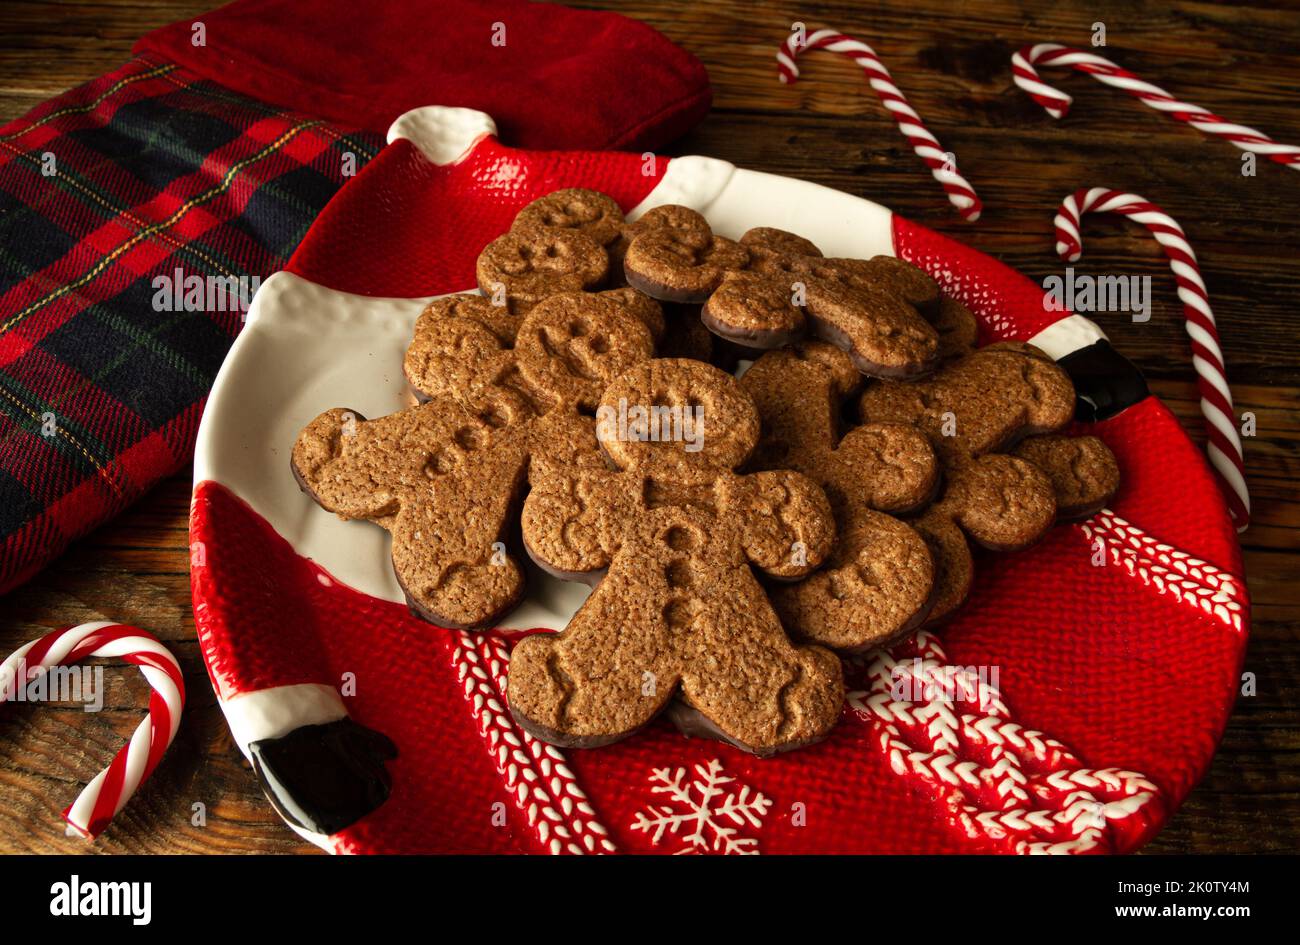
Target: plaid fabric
<point x="138" y="174"/>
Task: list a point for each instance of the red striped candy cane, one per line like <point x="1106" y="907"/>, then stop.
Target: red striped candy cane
<point x="942" y="163"/>
<point x="108" y="793"/>
<point x="1224" y="445"/>
<point x="1203" y="120"/>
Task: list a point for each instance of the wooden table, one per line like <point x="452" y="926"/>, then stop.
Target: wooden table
<point x="951" y="59"/>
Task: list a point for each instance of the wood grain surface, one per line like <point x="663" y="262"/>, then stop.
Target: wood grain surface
<point x="952" y="61"/>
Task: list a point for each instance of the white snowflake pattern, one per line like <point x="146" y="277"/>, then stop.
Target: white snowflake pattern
<point x="704" y="817"/>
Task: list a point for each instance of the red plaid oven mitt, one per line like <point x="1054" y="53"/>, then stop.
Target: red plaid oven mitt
<point x="202" y="162"/>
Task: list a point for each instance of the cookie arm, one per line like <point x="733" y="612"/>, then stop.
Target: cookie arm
<point x="787" y="525"/>
<point x="878" y="586"/>
<point x="333" y="461"/>
<point x="459" y="354"/>
<point x="798" y="391"/>
<point x="572" y="520"/>
<point x="1082" y="469"/>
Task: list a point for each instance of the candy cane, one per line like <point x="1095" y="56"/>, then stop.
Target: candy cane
<point x="108" y="793"/>
<point x="1224" y="445"/>
<point x="942" y="164"/>
<point x="1203" y="120"/>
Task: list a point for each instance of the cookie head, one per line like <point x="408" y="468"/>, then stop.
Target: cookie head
<point x="498" y="319"/>
<point x="754" y="310"/>
<point x="461" y="344"/>
<point x="876" y="587"/>
<point x="770" y="249"/>
<point x="667" y="217"/>
<point x="902" y="279"/>
<point x="587" y="211"/>
<point x="525" y="266"/>
<point x="674" y="417"/>
<point x="675" y="257"/>
<point x="571" y="346"/>
<point x="1002" y="502"/>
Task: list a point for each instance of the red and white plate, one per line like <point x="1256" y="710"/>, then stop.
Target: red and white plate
<point x="1113" y="648"/>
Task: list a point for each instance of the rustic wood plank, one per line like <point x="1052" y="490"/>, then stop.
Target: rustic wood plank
<point x="953" y="63"/>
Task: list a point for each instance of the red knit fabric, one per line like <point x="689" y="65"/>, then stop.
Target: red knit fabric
<point x="549" y="76"/>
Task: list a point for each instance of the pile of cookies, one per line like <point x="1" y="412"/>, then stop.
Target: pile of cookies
<point x="740" y="533"/>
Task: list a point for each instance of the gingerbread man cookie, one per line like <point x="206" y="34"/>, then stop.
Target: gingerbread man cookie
<point x="445" y="478"/>
<point x="679" y="611"/>
<point x="773" y="287"/>
<point x="985" y="415"/>
<point x="876" y="309"/>
<point x="673" y="255"/>
<point x="558" y="243"/>
<point x="878" y="583"/>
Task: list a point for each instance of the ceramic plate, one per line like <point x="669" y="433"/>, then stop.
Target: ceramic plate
<point x="1110" y="651"/>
